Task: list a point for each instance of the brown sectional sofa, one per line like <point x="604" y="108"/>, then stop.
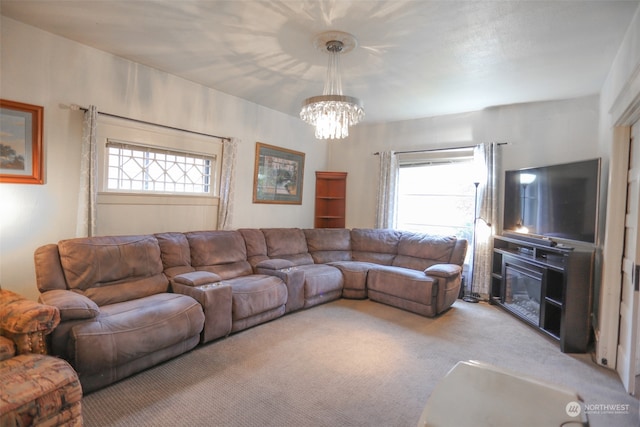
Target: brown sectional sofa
<point x="130" y="302"/>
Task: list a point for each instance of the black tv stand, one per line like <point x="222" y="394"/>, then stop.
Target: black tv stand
<point x="545" y="286"/>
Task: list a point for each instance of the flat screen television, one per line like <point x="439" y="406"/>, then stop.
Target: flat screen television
<point x="553" y="202"/>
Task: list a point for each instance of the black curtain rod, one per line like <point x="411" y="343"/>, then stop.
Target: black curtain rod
<point x="437" y="149"/>
<point x="224" y="138"/>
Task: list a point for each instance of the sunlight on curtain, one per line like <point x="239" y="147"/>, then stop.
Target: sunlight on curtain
<point x="487" y="156"/>
<point x="86" y="218"/>
<point x="227" y="183"/>
<point x="387" y="190"/>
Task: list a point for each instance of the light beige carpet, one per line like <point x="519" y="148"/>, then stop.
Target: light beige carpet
<point x="346" y="363"/>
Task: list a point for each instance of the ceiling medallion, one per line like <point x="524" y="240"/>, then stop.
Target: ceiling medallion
<point x="332" y="112"/>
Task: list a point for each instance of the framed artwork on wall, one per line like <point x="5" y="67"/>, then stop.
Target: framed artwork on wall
<point x="20" y="143"/>
<point x="278" y="175"/>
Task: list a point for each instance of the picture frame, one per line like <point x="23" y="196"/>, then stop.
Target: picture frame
<point x="21" y="159"/>
<point x="278" y="175"/>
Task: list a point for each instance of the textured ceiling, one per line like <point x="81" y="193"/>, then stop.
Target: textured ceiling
<point x="414" y="59"/>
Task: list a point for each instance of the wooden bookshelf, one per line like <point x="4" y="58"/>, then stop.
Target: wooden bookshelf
<point x="331" y="199"/>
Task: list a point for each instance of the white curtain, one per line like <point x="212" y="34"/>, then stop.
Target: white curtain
<point x="227" y="183"/>
<point x="86" y="218"/>
<point x="487" y="157"/>
<point x="387" y="190"/>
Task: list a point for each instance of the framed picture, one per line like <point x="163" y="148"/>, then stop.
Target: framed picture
<point x="278" y="175"/>
<point x="20" y="143"/>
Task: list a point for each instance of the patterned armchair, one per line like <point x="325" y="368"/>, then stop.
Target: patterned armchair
<point x="37" y="389"/>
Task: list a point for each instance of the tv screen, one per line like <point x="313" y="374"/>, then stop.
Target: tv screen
<point x="555" y="202"/>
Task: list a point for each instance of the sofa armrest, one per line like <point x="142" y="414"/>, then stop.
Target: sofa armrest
<point x="448" y="279"/>
<point x="291" y="276"/>
<point x="216" y="302"/>
<point x="275" y="264"/>
<point x="197" y="278"/>
<point x="72" y="305"/>
<point x="444" y="271"/>
<point x="26" y="322"/>
<point x="19" y="315"/>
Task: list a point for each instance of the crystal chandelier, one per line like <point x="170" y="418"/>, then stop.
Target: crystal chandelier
<point x="332" y="112"/>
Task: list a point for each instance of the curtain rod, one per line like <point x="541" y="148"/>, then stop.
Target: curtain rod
<point x="438" y="149"/>
<point x="223" y="138"/>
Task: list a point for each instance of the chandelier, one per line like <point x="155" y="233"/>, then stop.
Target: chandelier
<point x="332" y="112"/>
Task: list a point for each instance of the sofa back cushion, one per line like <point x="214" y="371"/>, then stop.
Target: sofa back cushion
<point x="256" y="245"/>
<point x="113" y="269"/>
<point x="379" y="246"/>
<point x="328" y="244"/>
<point x="175" y="253"/>
<point x="222" y="252"/>
<point x="287" y="243"/>
<point x="459" y="252"/>
<point x="419" y="251"/>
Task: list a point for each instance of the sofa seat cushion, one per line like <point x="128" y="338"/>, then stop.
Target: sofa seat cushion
<point x="255" y="294"/>
<point x="322" y="283"/>
<point x="402" y="282"/>
<point x="132" y="330"/>
<point x="403" y="288"/>
<point x="39" y="390"/>
<point x="354" y="274"/>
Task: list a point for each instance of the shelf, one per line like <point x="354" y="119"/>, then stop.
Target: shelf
<point x="553" y="320"/>
<point x="553" y="302"/>
<point x="545" y="261"/>
<point x="555" y="334"/>
<point x="331" y="192"/>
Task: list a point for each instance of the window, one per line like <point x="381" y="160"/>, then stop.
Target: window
<point x="437" y="198"/>
<point x="144" y="169"/>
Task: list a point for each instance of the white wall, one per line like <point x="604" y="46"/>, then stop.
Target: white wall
<point x="537" y="134"/>
<point x="39" y="68"/>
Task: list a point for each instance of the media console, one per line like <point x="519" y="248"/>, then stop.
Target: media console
<point x="548" y="287"/>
